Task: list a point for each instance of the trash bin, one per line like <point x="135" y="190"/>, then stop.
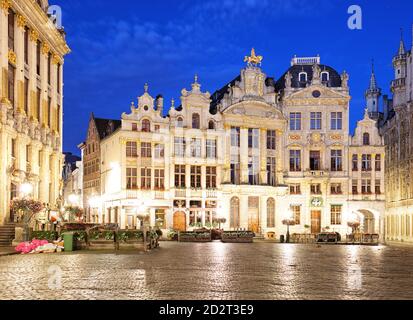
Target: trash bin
<point x="282" y="238"/>
<point x="68" y="241"/>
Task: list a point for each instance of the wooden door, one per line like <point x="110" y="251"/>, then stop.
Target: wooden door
<point x="180" y="221"/>
<point x="253" y="221"/>
<point x="315" y="222"/>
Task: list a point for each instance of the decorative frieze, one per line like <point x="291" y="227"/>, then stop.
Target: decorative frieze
<point x="45" y="49"/>
<point x="34" y="36"/>
<point x="5" y="6"/>
<point x="21" y="21"/>
<point x="12" y="57"/>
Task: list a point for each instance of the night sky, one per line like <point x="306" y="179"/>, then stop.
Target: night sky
<point x="118" y="46"/>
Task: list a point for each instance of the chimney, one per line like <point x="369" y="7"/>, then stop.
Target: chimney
<point x="159" y="104"/>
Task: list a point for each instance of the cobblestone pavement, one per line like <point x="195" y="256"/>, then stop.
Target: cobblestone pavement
<point x="214" y="271"/>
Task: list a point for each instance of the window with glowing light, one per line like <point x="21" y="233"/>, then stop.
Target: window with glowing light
<point x="271" y="213"/>
<point x="234" y="220"/>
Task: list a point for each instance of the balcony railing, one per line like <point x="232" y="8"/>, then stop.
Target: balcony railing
<point x="180" y="193"/>
<point x="196" y="193"/>
<point x="159" y="194"/>
<point x="210" y="193"/>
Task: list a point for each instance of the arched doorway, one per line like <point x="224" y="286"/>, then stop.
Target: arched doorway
<point x="179" y="221"/>
<point x="368" y="222"/>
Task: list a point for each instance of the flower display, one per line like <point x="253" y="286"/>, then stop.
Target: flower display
<point x="26" y="206"/>
<point x="28" y="247"/>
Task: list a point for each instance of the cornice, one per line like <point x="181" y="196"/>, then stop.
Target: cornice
<point x="39" y="22"/>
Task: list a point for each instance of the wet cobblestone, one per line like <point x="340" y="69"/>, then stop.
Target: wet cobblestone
<point x="216" y="271"/>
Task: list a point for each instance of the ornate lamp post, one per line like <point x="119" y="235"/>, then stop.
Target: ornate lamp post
<point x="289" y="221"/>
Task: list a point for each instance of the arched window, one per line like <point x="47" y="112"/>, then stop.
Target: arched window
<point x="325" y="76"/>
<point x="196" y="122"/>
<point x="270" y="213"/>
<point x="180" y="122"/>
<point x="302" y="77"/>
<point x="211" y="125"/>
<point x="366" y="139"/>
<point x="146" y="126"/>
<point x="234" y="214"/>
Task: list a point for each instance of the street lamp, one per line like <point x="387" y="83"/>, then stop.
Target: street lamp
<point x="26" y="189"/>
<point x="289" y="221"/>
<point x="73" y="199"/>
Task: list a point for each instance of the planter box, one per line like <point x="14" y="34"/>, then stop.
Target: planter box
<point x="80" y="245"/>
<point x="130" y="245"/>
<point x="194" y="237"/>
<point x="102" y="245"/>
<point x="237" y="237"/>
<point x="101" y="240"/>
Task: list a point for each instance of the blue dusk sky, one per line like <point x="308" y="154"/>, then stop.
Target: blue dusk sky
<point x="117" y="47"/>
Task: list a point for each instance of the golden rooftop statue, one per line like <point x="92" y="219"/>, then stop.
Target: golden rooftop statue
<point x="253" y="59"/>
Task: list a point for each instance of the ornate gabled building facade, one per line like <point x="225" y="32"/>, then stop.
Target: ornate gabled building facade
<point x="255" y="152"/>
<point x="98" y="129"/>
<point x="32" y="51"/>
<point x="397" y="129"/>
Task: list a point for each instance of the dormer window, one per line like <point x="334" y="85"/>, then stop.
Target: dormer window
<point x="180" y="122"/>
<point x="325" y="76"/>
<point x="146" y="126"/>
<point x="211" y="125"/>
<point x="302" y="77"/>
<point x="196" y="121"/>
<point x="366" y="139"/>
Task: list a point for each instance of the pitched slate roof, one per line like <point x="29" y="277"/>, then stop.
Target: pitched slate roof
<point x="106" y="127"/>
<point x="333" y="82"/>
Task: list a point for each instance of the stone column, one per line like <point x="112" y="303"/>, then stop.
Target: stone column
<point x="263" y="156"/>
<point x="4" y="50"/>
<point x="44" y="175"/>
<point x="224" y="150"/>
<point x="281" y="155"/>
<point x="122" y="218"/>
<point x="19" y="50"/>
<point x="244" y="155"/>
<point x="188" y="176"/>
<point x="4" y="181"/>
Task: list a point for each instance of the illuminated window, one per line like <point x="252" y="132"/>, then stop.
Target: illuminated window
<point x="179" y="147"/>
<point x="159" y="179"/>
<point x="196" y="121"/>
<point x="146" y="126"/>
<point x="271" y="139"/>
<point x="131" y="178"/>
<point x="336" y="160"/>
<point x="180" y="176"/>
<point x="211" y="177"/>
<point x="234" y="213"/>
<point x="131" y="149"/>
<point x="146" y="175"/>
<point x="195" y="177"/>
<point x="296" y="214"/>
<point x="270" y="213"/>
<point x="336" y="214"/>
<point x="146" y="150"/>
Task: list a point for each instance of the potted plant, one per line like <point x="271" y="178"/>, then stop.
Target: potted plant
<point x="24" y="210"/>
<point x="75" y="213"/>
